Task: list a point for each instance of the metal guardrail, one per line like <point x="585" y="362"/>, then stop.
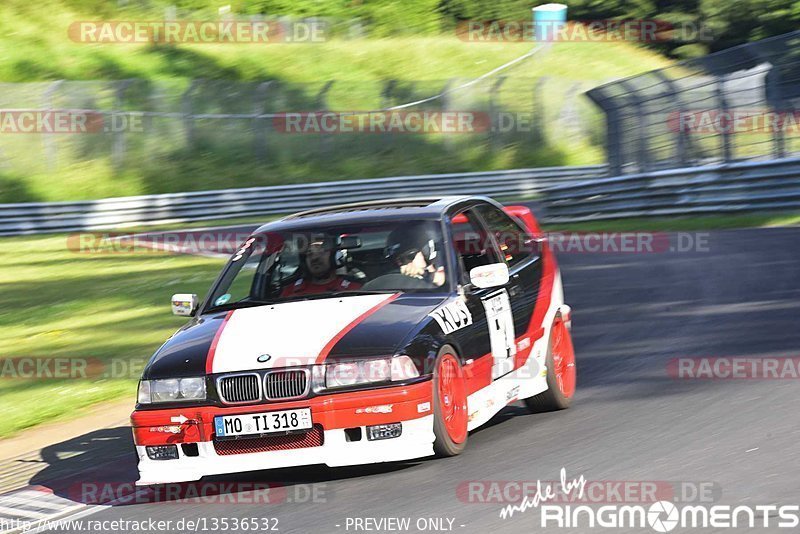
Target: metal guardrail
<point x="725" y="188"/>
<point x="37" y="218"/>
<point x="569" y="194"/>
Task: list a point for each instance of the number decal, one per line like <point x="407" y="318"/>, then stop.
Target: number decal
<point x="452" y="316"/>
<point x="241" y="251"/>
<point x="501" y="332"/>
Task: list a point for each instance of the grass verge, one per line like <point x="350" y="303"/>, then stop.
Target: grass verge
<point x="102" y="307"/>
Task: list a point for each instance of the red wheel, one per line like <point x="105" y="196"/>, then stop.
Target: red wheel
<point x="563" y="358"/>
<point x="561" y="376"/>
<point x="450" y="405"/>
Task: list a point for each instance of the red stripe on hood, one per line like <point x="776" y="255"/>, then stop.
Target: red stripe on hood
<point x="355" y="322"/>
<point x="212" y="350"/>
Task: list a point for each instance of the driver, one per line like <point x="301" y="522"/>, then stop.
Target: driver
<point x="413" y="250"/>
<point x="319" y="261"/>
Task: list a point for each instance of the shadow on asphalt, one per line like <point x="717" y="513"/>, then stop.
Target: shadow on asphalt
<point x="100" y="468"/>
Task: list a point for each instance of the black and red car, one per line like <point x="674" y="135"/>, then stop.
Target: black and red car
<point x="356" y="334"/>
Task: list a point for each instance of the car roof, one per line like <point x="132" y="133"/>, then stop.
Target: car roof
<point x="416" y="208"/>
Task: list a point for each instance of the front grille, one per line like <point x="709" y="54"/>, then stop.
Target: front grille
<point x="239" y="389"/>
<point x="313" y="438"/>
<point x="282" y="385"/>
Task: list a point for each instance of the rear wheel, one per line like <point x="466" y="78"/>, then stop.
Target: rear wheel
<point x="560" y="372"/>
<point x="449" y="404"/>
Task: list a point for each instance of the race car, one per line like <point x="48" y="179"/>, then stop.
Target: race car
<point x="362" y="333"/>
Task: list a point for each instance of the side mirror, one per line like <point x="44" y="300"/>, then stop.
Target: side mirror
<point x="184" y="304"/>
<point x="492" y="275"/>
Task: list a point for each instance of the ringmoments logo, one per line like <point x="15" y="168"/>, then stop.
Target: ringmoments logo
<point x="660" y="516"/>
<point x="664" y="516"/>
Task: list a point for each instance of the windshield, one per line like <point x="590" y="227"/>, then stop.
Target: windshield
<point x="402" y="256"/>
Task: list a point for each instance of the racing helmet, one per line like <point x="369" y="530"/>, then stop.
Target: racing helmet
<point x="405" y="241"/>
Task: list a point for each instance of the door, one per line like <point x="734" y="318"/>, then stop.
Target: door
<point x="521" y="252"/>
<point x="491" y="308"/>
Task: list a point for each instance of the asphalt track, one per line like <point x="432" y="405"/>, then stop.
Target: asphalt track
<point x="631" y="421"/>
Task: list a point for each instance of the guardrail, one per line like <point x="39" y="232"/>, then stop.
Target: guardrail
<point x="37" y="218"/>
<point x="724" y="188"/>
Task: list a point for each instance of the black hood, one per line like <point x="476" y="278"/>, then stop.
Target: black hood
<point x="382" y="330"/>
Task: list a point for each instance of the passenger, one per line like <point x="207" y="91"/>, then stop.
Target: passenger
<point x="413" y="250"/>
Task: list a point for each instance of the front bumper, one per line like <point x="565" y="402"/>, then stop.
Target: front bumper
<point x="409" y="405"/>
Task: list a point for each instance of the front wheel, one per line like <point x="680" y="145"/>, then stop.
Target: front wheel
<point x="449" y="404"/>
<point x="560" y="372"/>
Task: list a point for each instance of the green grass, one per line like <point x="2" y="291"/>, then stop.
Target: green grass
<point x="34" y="47"/>
<point x="58" y="303"/>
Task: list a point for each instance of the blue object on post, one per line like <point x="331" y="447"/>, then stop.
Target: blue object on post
<point x="547" y="20"/>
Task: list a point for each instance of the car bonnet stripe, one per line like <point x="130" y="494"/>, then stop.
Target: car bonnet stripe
<point x="212" y="350"/>
<point x="286" y="334"/>
<point x="355" y="322"/>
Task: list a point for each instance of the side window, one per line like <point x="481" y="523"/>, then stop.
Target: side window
<point x="515" y="242"/>
<point x="473" y="246"/>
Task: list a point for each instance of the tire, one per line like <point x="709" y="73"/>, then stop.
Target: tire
<point x="449" y="404"/>
<point x="560" y="372"/>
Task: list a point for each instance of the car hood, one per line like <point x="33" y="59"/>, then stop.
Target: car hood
<point x="293" y="333"/>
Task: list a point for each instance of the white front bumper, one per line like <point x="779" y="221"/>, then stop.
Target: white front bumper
<point x="416" y="441"/>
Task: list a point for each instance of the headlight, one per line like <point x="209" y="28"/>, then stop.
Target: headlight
<point x="172" y="390"/>
<point x="339" y="375"/>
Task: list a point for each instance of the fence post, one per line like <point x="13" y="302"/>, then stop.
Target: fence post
<point x="387" y="95"/>
<point x="448" y="138"/>
<point x="773" y="90"/>
<point x="642" y="148"/>
<point x="118" y="147"/>
<point x="538" y="136"/>
<point x="568" y="116"/>
<point x="613" y="143"/>
<point x="683" y="144"/>
<point x="188" y="117"/>
<point x="321" y="104"/>
<point x="50" y="148"/>
<point x="494" y="113"/>
<point x="259" y="125"/>
<point x="727" y="149"/>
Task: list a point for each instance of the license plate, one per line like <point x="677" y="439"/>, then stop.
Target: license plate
<point x="257" y="424"/>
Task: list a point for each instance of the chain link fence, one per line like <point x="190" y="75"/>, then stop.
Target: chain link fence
<point x="734" y="105"/>
<point x="167" y="134"/>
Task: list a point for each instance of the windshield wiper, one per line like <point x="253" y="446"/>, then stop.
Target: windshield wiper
<point x="295" y="298"/>
<point x="240" y="304"/>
